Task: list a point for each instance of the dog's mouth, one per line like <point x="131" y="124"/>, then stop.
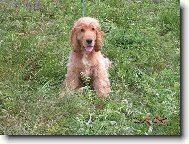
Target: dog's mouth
<point x="89" y="48"/>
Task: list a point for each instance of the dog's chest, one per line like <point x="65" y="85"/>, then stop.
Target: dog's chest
<point x="85" y="61"/>
<point x="86" y="64"/>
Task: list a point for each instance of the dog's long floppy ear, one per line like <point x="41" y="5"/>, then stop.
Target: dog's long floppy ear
<point x="74" y="42"/>
<point x="99" y="40"/>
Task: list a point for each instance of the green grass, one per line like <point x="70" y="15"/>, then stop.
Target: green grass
<point x="143" y="42"/>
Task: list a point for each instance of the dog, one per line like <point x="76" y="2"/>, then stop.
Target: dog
<point x="86" y="58"/>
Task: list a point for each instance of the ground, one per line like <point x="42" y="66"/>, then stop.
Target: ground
<point x="142" y="39"/>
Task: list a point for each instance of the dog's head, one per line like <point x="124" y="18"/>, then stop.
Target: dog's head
<point x="86" y="35"/>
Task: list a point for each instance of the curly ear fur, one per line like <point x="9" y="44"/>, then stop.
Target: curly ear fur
<point x="74" y="42"/>
<point x="99" y="40"/>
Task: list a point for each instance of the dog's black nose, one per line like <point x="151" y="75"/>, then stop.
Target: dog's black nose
<point x="89" y="41"/>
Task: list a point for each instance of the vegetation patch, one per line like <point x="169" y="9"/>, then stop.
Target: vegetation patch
<point x="142" y="39"/>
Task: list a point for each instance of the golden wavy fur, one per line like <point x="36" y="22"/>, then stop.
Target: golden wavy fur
<point x="86" y="57"/>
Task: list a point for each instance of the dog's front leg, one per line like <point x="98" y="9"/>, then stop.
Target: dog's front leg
<point x="100" y="82"/>
<point x="72" y="81"/>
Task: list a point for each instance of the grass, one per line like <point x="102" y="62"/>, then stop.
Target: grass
<point x="143" y="42"/>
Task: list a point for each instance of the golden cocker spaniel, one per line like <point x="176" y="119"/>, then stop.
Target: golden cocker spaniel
<point x="86" y="57"/>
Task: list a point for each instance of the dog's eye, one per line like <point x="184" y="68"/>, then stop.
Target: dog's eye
<point x="82" y="30"/>
<point x="93" y="29"/>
